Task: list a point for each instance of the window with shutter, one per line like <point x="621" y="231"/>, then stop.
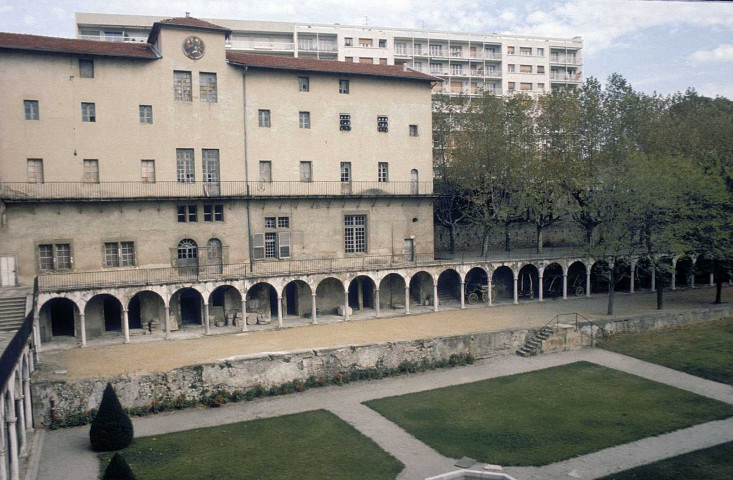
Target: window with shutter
<point x="283" y="244"/>
<point x="258" y="246"/>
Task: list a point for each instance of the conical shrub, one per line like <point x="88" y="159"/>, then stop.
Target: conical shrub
<point x="111" y="428"/>
<point x="118" y="469"/>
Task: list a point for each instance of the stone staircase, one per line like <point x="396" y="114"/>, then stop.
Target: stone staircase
<point x="534" y="344"/>
<point x="446" y="295"/>
<point x="12" y="313"/>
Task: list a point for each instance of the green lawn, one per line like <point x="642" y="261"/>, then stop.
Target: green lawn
<point x="703" y="349"/>
<point x="714" y="463"/>
<point x="310" y="445"/>
<point x="545" y="416"/>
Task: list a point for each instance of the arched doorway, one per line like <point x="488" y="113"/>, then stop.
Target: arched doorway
<point x="214" y="259"/>
<point x="392" y="291"/>
<point x="599" y="277"/>
<point x="577" y="277"/>
<point x="449" y="287"/>
<point x="262" y="299"/>
<point x="225" y="303"/>
<point x="528" y="282"/>
<point x="187" y="257"/>
<point x="146" y="310"/>
<point x="329" y="295"/>
<point x="103" y="313"/>
<point x="552" y="281"/>
<point x="477" y="286"/>
<point x="298" y="299"/>
<point x="361" y="293"/>
<point x="58" y="317"/>
<point x="186" y="307"/>
<point x="503" y="282"/>
<point x="421" y="288"/>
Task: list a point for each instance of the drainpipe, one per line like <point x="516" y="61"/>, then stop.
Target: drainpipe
<point x="246" y="167"/>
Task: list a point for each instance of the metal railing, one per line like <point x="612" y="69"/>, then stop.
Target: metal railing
<point x="22" y="191"/>
<point x="113" y="38"/>
<point x="317" y="47"/>
<point x="569" y="60"/>
<point x="11" y="355"/>
<point x="566" y="77"/>
<point x="200" y="273"/>
<point x="253" y="45"/>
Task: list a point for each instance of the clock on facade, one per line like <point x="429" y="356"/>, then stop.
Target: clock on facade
<point x="193" y="47"/>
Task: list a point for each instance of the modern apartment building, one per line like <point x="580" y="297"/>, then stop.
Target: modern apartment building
<point x="176" y="181"/>
<point x="469" y="63"/>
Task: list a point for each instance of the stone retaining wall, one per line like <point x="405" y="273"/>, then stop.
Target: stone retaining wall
<point x="271" y="369"/>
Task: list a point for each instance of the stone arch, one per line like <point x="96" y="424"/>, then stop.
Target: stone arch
<point x="502" y="280"/>
<point x="683" y="270"/>
<point x="552" y="278"/>
<point x="59" y="317"/>
<point x="392" y="291"/>
<point x="703" y="270"/>
<point x="477" y="282"/>
<point x="103" y="313"/>
<point x="186" y="307"/>
<point x="528" y="282"/>
<point x="577" y="274"/>
<point x="225" y="302"/>
<point x="262" y="300"/>
<point x="329" y="295"/>
<point x="449" y="286"/>
<point x="622" y="275"/>
<point x="421" y="288"/>
<point x="297" y="298"/>
<point x="361" y="292"/>
<point x="146" y="309"/>
<point x="599" y="277"/>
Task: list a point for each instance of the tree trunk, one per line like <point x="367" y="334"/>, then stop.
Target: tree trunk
<point x="719" y="290"/>
<point x="507" y="240"/>
<point x="539" y="238"/>
<point x="589" y="234"/>
<point x="485" y="244"/>
<point x="611" y="290"/>
<point x="452" y="235"/>
<point x="660" y="297"/>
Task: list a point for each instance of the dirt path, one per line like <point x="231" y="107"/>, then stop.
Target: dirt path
<point x="115" y="360"/>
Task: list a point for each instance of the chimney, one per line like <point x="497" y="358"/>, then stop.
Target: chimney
<point x="188" y="14"/>
<point x="404" y="67"/>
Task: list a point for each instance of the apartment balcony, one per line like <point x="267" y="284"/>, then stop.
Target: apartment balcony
<point x="132" y="277"/>
<point x="486" y="74"/>
<point x="566" y="77"/>
<point x="566" y="60"/>
<point x="261" y="46"/>
<point x="114" y="38"/>
<point x="140" y="191"/>
<point x="320" y="47"/>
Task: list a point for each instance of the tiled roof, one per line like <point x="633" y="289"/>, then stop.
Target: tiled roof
<point x="192" y="22"/>
<point x="39" y="43"/>
<point x="328" y="66"/>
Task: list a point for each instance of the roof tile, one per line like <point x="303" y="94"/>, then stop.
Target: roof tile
<point x="39" y="43"/>
<point x="191" y="22"/>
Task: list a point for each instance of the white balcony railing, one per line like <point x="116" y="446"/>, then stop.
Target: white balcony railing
<point x="566" y="77"/>
<point x="317" y="47"/>
<point x="113" y="38"/>
<point x="566" y="60"/>
<point x="252" y="45"/>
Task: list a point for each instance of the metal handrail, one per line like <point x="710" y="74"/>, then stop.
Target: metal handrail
<point x="11" y="355"/>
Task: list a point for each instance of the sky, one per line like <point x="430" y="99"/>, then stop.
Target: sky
<point x="659" y="46"/>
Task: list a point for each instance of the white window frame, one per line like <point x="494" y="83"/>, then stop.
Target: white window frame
<point x="304" y="119"/>
<point x="88" y="112"/>
<point x="208" y="90"/>
<point x="31" y="109"/>
<point x="263" y="118"/>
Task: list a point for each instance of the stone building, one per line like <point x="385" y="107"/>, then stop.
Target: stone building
<point x="162" y="183"/>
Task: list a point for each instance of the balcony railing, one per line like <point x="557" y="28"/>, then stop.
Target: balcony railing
<point x="252" y="45"/>
<point x="566" y="60"/>
<point x="317" y="47"/>
<point x="71" y="191"/>
<point x="566" y="77"/>
<point x="201" y="273"/>
<point x="113" y="38"/>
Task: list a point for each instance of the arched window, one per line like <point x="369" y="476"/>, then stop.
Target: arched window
<point x="187" y="252"/>
<point x="213" y="256"/>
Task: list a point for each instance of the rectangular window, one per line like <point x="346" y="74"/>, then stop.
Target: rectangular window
<point x="417" y="48"/>
<point x="436" y="50"/>
<point x="525" y="69"/>
<point x="525" y="50"/>
<point x="91" y="171"/>
<point x="349" y="59"/>
<point x="413" y="130"/>
<point x="436" y="68"/>
<point x="86" y="68"/>
<point x="367" y="60"/>
<point x="283" y="222"/>
<point x="345" y="171"/>
<point x="214" y="213"/>
<point x="185" y="165"/>
<point x="365" y="42"/>
<point x="53" y="257"/>
<point x="400" y="48"/>
<point x="382" y="43"/>
<point x="304" y="119"/>
<point x="283" y="244"/>
<point x="343" y="86"/>
<point x="270" y="245"/>
<point x="383" y="61"/>
<point x="541" y="52"/>
<point x="456" y="69"/>
<point x="510" y="50"/>
<point x="456" y="51"/>
<point x="111" y="254"/>
<point x="31" y="109"/>
<point x="187" y="213"/>
<point x="355" y="233"/>
<point x="207" y="87"/>
<point x="348" y="41"/>
<point x="306" y="172"/>
<point x="511" y="86"/>
<point x="88" y="113"/>
<point x="270" y="222"/>
<point x="304" y="84"/>
<point x="210" y="165"/>
<point x="525" y="86"/>
<point x="147" y="171"/>
<point x="541" y="87"/>
<point x="265" y="171"/>
<point x="417" y="66"/>
<point x="540" y="69"/>
<point x="127" y="254"/>
<point x="146" y="114"/>
<point x="34" y="170"/>
<point x="263" y="117"/>
<point x="345" y="121"/>
<point x="510" y="68"/>
<point x="182" y="89"/>
<point x="382" y="123"/>
<point x="383" y="172"/>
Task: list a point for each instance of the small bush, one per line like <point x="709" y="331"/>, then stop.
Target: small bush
<point x="118" y="469"/>
<point x="111" y="427"/>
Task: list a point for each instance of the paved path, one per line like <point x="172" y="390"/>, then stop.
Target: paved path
<point x="66" y="454"/>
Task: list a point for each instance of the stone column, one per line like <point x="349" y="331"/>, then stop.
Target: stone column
<point x="314" y="310"/>
<point x="37" y="330"/>
<point x="491" y="297"/>
<point x="407" y="299"/>
<point x="516" y="292"/>
<point x="631" y="279"/>
<point x="542" y="288"/>
<point x="376" y="301"/>
<point x="83" y="328"/>
<point x="564" y="286"/>
<point x="692" y="280"/>
<point x="654" y="280"/>
<point x="712" y="279"/>
<point x="436" y="302"/>
<point x="20" y="411"/>
<point x="207" y="326"/>
<point x="126" y="325"/>
<point x="463" y="294"/>
<point x="167" y="321"/>
<point x="279" y="311"/>
<point x="27" y="397"/>
<point x="673" y="280"/>
<point x="587" y="281"/>
<point x="346" y="305"/>
<point x="3" y="447"/>
<point x="244" y="312"/>
<point x="360" y="294"/>
<point x="11" y="420"/>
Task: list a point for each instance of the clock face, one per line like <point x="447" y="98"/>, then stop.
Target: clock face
<point x="193" y="47"/>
